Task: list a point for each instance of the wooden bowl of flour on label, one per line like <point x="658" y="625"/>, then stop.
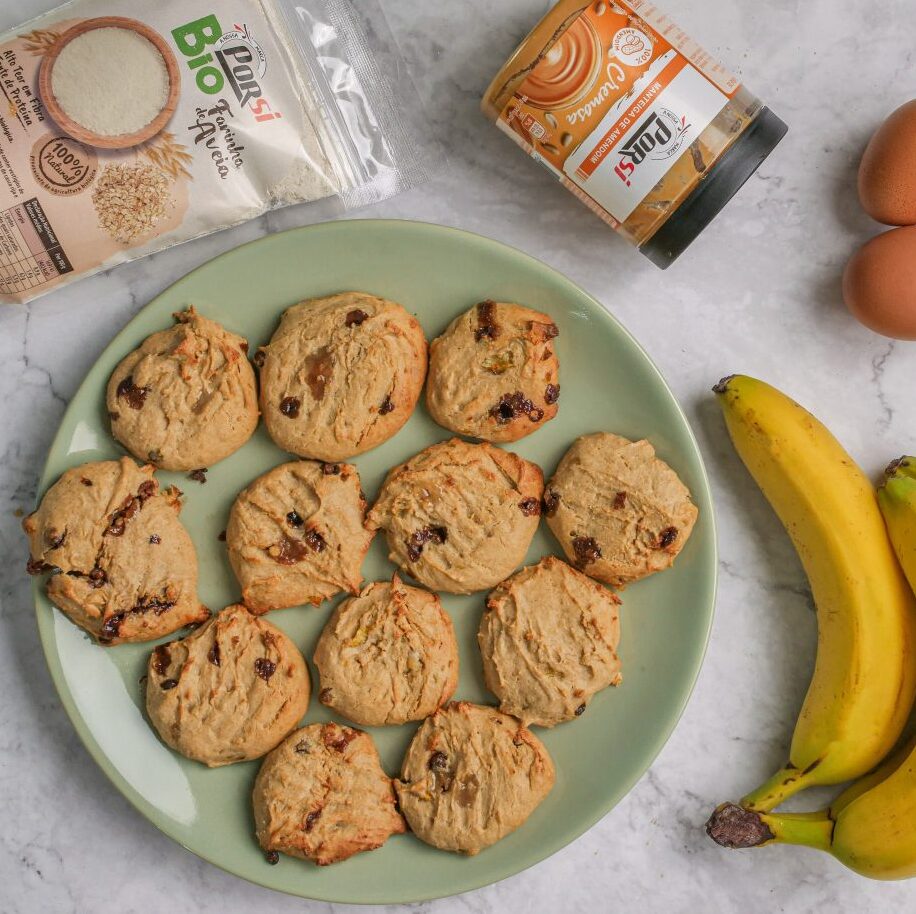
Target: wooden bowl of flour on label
<point x="110" y="82"/>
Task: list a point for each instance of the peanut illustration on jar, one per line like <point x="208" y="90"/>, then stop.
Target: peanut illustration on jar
<point x="632" y="44"/>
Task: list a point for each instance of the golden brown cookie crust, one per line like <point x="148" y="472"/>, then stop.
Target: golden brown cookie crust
<point x="471" y="776"/>
<point x="296" y="535"/>
<point x="322" y="795"/>
<point x="123" y="566"/>
<point x="494" y="373"/>
<point x="341" y="375"/>
<point x="388" y="655"/>
<point x="619" y="513"/>
<point x="548" y="639"/>
<point x="228" y="692"/>
<point x="459" y="517"/>
<point x="187" y="397"/>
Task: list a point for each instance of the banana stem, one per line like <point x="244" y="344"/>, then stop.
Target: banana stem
<point x="805" y="828"/>
<point x="784" y="784"/>
<point x="734" y="827"/>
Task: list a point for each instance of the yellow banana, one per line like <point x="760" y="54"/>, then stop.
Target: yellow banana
<point x="865" y="675"/>
<point x="870" y="827"/>
<point x="897" y="500"/>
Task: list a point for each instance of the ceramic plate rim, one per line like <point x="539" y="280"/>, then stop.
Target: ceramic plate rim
<point x="567" y="834"/>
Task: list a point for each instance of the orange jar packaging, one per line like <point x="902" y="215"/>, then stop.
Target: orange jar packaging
<point x="634" y="118"/>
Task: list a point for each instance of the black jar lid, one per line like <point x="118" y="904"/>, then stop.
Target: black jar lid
<point x="722" y="182"/>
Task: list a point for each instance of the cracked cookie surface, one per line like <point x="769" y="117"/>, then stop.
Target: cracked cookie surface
<point x="228" y="692"/>
<point x="388" y="655"/>
<point x="296" y="535"/>
<point x="322" y="795"/>
<point x="618" y="512"/>
<point x="494" y="373"/>
<point x="187" y="397"/>
<point x="123" y="566"/>
<point x="341" y="375"/>
<point x="471" y="776"/>
<point x="548" y="639"/>
<point x="459" y="517"/>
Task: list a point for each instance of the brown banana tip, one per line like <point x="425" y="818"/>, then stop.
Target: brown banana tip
<point x="722" y="386"/>
<point x="733" y="827"/>
<point x="895" y="465"/>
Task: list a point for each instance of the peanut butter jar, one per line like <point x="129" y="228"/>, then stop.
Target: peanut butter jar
<point x="634" y="118"/>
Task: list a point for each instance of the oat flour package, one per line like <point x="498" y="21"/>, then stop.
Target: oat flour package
<point x="129" y="126"/>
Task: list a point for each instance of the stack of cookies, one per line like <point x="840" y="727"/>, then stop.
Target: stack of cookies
<point x="341" y="375"/>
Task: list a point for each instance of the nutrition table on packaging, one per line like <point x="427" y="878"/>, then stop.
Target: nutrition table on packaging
<point x="30" y="253"/>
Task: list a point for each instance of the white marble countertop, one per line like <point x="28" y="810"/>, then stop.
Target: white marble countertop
<point x="758" y="293"/>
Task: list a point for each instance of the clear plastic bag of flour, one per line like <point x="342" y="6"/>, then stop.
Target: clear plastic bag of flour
<point x="265" y="103"/>
<point x="373" y="117"/>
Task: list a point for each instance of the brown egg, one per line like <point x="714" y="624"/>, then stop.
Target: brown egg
<point x="887" y="175"/>
<point x="879" y="285"/>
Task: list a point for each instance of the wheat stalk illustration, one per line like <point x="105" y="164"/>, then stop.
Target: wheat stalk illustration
<point x="39" y="41"/>
<point x="167" y="153"/>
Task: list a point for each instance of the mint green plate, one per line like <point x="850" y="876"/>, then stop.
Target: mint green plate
<point x="608" y="383"/>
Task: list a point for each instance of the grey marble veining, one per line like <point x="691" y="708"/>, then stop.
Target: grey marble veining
<point x="758" y="293"/>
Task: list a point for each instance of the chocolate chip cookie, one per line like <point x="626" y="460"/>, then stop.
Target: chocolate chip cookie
<point x="341" y="375"/>
<point x="388" y="655"/>
<point x="548" y="639"/>
<point x="187" y="397"/>
<point x="296" y="535"/>
<point x="459" y="517"/>
<point x="122" y="565"/>
<point x="494" y="373"/>
<point x="228" y="692"/>
<point x="471" y="776"/>
<point x="618" y="511"/>
<point x="322" y="795"/>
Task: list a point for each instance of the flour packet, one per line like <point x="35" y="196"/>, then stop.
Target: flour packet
<point x="130" y="126"/>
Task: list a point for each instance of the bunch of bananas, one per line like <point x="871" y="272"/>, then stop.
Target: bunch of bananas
<point x="858" y="549"/>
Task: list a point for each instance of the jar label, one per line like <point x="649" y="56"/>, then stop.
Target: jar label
<point x="616" y="103"/>
<point x="630" y="152"/>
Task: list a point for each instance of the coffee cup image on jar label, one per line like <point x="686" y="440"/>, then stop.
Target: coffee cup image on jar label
<point x="568" y="70"/>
